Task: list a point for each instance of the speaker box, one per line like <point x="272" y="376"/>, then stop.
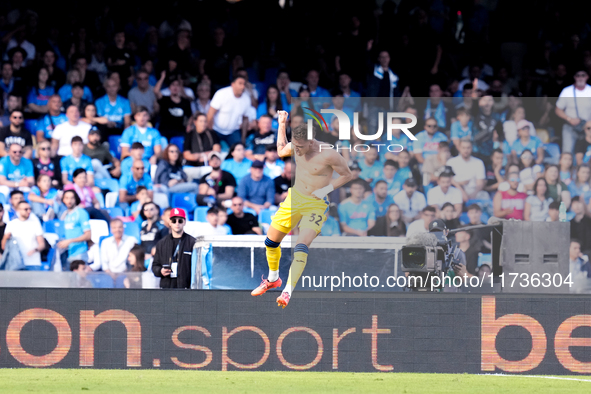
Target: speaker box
<point x="530" y="248"/>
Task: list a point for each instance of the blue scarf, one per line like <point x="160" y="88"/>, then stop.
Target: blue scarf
<point x="378" y="72"/>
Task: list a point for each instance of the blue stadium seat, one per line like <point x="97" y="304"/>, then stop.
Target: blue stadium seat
<point x="250" y="210"/>
<point x="115" y="145"/>
<point x="201" y="214"/>
<point x="31" y="125"/>
<point x="551" y="153"/>
<point x="101" y="199"/>
<point x="331" y="227"/>
<point x="46" y="265"/>
<point x="101" y="239"/>
<point x="120" y="282"/>
<point x="163" y="142"/>
<point x="54" y="227"/>
<point x="132" y="229"/>
<point x="266" y="215"/>
<point x="570" y="216"/>
<point x="186" y="201"/>
<point x="178" y="141"/>
<point x="101" y="281"/>
<point x="2" y="198"/>
<point x="115" y="212"/>
<point x="107" y="184"/>
<point x="464" y="218"/>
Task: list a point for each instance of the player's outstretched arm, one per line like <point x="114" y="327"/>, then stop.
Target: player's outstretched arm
<point x="283" y="146"/>
<point x="339" y="165"/>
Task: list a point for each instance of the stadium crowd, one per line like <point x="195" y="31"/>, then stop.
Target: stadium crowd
<point x="120" y="118"/>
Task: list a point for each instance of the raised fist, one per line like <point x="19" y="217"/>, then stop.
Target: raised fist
<point x="282" y="116"/>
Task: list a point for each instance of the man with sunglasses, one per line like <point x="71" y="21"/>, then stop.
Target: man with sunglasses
<point x="44" y="164"/>
<point x="129" y="182"/>
<point x="27" y="233"/>
<point x="172" y="260"/>
<point x="14" y="133"/>
<point x="428" y="141"/>
<point x="143" y="94"/>
<point x="16" y="172"/>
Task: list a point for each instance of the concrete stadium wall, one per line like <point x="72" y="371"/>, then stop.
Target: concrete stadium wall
<point x="318" y="331"/>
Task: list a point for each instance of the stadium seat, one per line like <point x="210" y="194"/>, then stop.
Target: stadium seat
<point x="120" y="282"/>
<point x="102" y="238"/>
<point x="331" y="228"/>
<point x="201" y="214"/>
<point x="101" y="281"/>
<point x="115" y="145"/>
<point x="31" y="125"/>
<point x="132" y="229"/>
<point x="54" y="227"/>
<point x="115" y="212"/>
<point x="163" y="142"/>
<point x="551" y="153"/>
<point x="98" y="228"/>
<point x="179" y="142"/>
<point x="111" y="199"/>
<point x="2" y="198"/>
<point x="101" y="199"/>
<point x="186" y="201"/>
<point x="46" y="265"/>
<point x="250" y="210"/>
<point x="107" y="184"/>
<point x="266" y="215"/>
<point x="464" y="218"/>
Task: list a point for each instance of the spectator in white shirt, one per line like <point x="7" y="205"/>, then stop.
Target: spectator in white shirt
<point x="227" y="114"/>
<point x="28" y="234"/>
<point x="574" y="107"/>
<point x="212" y="226"/>
<point x="115" y="249"/>
<point x="445" y="192"/>
<point x="421" y="225"/>
<point x="410" y="201"/>
<point x="469" y="171"/>
<point x="61" y="139"/>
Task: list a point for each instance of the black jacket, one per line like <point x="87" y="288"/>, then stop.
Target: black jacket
<point x="164" y="253"/>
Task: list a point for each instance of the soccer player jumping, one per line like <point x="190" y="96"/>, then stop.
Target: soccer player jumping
<point x="306" y="203"/>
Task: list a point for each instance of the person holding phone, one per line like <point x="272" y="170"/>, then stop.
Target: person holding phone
<point x="172" y="261"/>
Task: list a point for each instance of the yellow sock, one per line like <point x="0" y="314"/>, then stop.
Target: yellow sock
<point x="300" y="258"/>
<point x="273" y="257"/>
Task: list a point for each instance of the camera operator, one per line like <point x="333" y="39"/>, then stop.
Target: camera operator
<point x="456" y="252"/>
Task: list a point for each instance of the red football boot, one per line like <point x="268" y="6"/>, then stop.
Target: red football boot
<point x="266" y="285"/>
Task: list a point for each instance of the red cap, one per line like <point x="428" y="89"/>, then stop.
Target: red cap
<point x="178" y="213"/>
